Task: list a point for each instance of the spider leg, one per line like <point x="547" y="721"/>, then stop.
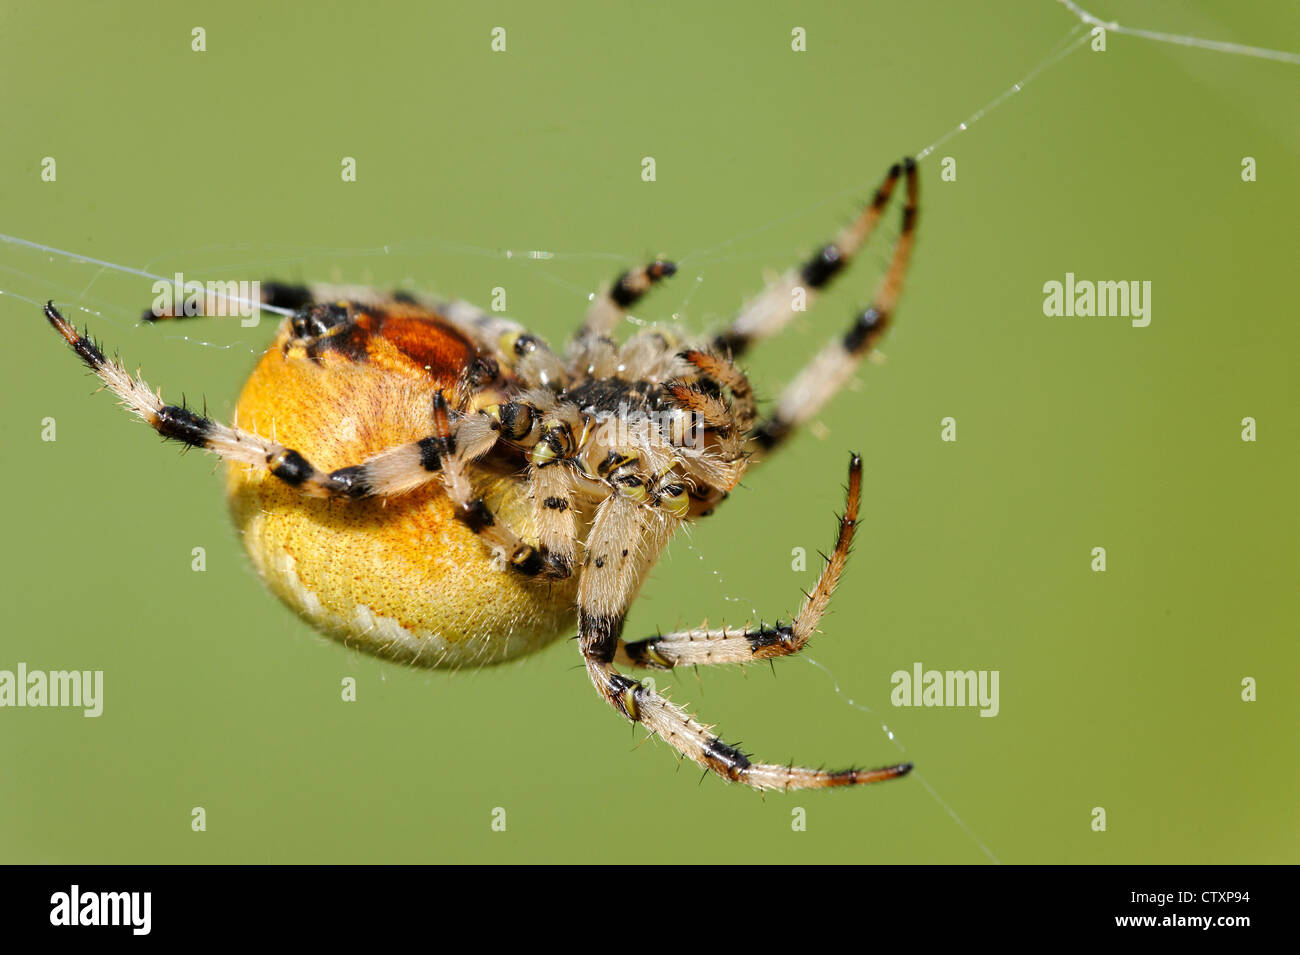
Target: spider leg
<point x="834" y="365"/>
<point x="504" y="339"/>
<point x="720" y="369"/>
<point x="704" y="646"/>
<point x="274" y="294"/>
<point x="774" y="307"/>
<point x="554" y="508"/>
<point x="622" y="543"/>
<point x="390" y="472"/>
<point x="181" y="424"/>
<point x="443" y="455"/>
<point x="610" y="306"/>
<point x="474" y="513"/>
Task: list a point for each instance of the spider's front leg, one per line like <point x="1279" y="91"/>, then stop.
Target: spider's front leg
<point x="705" y="646"/>
<point x="822" y="377"/>
<point x="774" y="307"/>
<point x="608" y="308"/>
<point x="610" y="575"/>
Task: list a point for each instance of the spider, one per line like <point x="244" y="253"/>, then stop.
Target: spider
<point x="441" y="488"/>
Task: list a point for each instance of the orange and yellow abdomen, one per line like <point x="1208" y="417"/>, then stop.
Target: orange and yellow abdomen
<point x="398" y="577"/>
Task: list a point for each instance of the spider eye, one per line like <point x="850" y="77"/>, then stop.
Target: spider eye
<point x="632" y="486"/>
<point x="614" y="461"/>
<point x="517" y="343"/>
<point x="481" y="371"/>
<point x="516" y="420"/>
<point x="674" y="500"/>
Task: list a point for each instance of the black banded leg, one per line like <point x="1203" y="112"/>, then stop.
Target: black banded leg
<point x="392" y="471"/>
<point x="834" y="365"/>
<point x="282" y="297"/>
<point x="610" y="306"/>
<point x="440" y="456"/>
<point x="505" y="340"/>
<point x="472" y="511"/>
<point x="603" y="592"/>
<point x="177" y="422"/>
<point x="287" y="295"/>
<point x="694" y="740"/>
<point x="743" y="645"/>
<point x="554" y="511"/>
<point x="774" y="307"/>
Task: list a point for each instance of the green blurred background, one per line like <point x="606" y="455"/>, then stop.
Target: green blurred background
<point x="1120" y="690"/>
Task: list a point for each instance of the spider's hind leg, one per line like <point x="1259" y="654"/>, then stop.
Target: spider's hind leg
<point x="389" y="472"/>
<point x="444" y="455"/>
<point x="179" y="423"/>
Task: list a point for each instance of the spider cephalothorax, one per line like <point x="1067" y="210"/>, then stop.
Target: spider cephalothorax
<point x="434" y="484"/>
